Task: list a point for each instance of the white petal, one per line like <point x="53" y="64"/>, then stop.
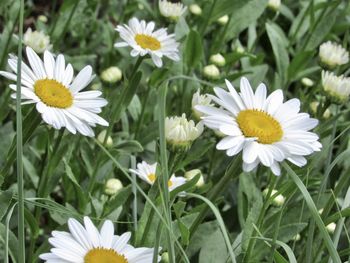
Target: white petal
<point x="82" y="79"/>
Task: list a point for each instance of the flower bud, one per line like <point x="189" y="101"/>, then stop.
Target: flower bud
<point x="297" y="237"/>
<point x="307" y="82"/>
<point x="189" y="175"/>
<point x="314" y="107"/>
<point x="42" y="18"/>
<point x="331" y="227"/>
<point x="111" y="75"/>
<point x="198" y="99"/>
<point x="223" y="20"/>
<point x="336" y="87"/>
<point x="218" y="60"/>
<point x="37" y="40"/>
<point x="101" y="138"/>
<point x="274" y="5"/>
<point x="278" y="200"/>
<point x="332" y="55"/>
<point x="113" y="186"/>
<point x="195" y="9"/>
<point x="211" y="72"/>
<point x="165" y="257"/>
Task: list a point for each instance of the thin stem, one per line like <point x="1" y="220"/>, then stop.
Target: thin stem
<point x="21" y="235"/>
<point x="134" y="191"/>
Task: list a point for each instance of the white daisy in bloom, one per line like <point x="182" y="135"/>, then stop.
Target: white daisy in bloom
<point x="266" y="129"/>
<point x="85" y="244"/>
<point x="180" y="132"/>
<point x="144" y="40"/>
<point x="333" y="54"/>
<point x="147" y="172"/>
<point x="199" y="99"/>
<point x="336" y="87"/>
<point x="171" y="10"/>
<point x="51" y="86"/>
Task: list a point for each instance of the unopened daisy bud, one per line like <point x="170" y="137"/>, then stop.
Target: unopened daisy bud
<point x="278" y="200"/>
<point x="320" y="211"/>
<point x="240" y="50"/>
<point x="337" y="87"/>
<point x="211" y="72"/>
<point x="218" y="60"/>
<point x="297" y="237"/>
<point x="165" y="257"/>
<point x="111" y="75"/>
<point x="307" y="82"/>
<point x="198" y="99"/>
<point x="332" y="55"/>
<point x="195" y="9"/>
<point x="189" y="175"/>
<point x="171" y="10"/>
<point x="101" y="138"/>
<point x="96" y="86"/>
<point x="331" y="227"/>
<point x="223" y="20"/>
<point x="113" y="186"/>
<point x="42" y="18"/>
<point x="141" y="6"/>
<point x="274" y="5"/>
<point x="37" y="40"/>
<point x="180" y="132"/>
<point x="314" y="107"/>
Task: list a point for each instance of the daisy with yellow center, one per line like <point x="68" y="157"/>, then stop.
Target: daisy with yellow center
<point x="147" y="173"/>
<point x="50" y="84"/>
<point x="266" y="129"/>
<point x="85" y="244"/>
<point x="145" y="41"/>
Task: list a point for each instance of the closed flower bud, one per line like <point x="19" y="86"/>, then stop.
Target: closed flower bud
<point x="37" y="40"/>
<point x="307" y="82"/>
<point x="218" y="60"/>
<point x="171" y="10"/>
<point x="331" y="227"/>
<point x="332" y="55"/>
<point x="165" y="257"/>
<point x="195" y="9"/>
<point x="274" y="5"/>
<point x="101" y="138"/>
<point x="336" y="87"/>
<point x="113" y="186"/>
<point x="297" y="237"/>
<point x="223" y="20"/>
<point x="192" y="173"/>
<point x="42" y="18"/>
<point x="180" y="132"/>
<point x="314" y="107"/>
<point x="278" y="200"/>
<point x="111" y="75"/>
<point x="211" y="72"/>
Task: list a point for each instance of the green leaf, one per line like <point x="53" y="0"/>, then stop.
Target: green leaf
<point x="279" y="44"/>
<point x="129" y="146"/>
<point x="193" y="49"/>
<point x="5" y="201"/>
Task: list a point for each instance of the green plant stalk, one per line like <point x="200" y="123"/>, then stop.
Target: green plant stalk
<point x="232" y="172"/>
<point x="8" y="219"/>
<point x="313" y="210"/>
<point x="134" y="191"/>
<point x="164" y="168"/>
<point x="21" y="234"/>
<point x="266" y="204"/>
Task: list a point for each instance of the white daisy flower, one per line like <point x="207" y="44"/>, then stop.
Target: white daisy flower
<point x="267" y="130"/>
<point x="332" y="54"/>
<point x="199" y="99"/>
<point x="336" y="87"/>
<point x="180" y="132"/>
<point x="37" y="40"/>
<point x="144" y="40"/>
<point x="147" y="173"/>
<point x="50" y="85"/>
<point x="85" y="244"/>
<point x="171" y="10"/>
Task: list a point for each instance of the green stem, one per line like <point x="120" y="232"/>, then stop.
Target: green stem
<point x="164" y="168"/>
<point x="21" y="235"/>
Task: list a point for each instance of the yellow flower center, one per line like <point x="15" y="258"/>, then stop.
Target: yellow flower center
<point x="53" y="93"/>
<point x="152" y="178"/>
<point x="103" y="255"/>
<point x="259" y="124"/>
<point x="147" y="42"/>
